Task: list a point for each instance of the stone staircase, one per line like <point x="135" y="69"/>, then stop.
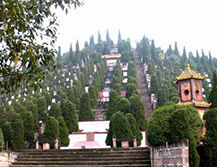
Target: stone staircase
<point x="84" y="158"/>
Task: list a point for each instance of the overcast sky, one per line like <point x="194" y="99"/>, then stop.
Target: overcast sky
<point x="192" y="23"/>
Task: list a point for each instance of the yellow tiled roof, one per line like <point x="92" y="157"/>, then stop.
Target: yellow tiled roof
<point x="201" y="104"/>
<point x="189" y="74"/>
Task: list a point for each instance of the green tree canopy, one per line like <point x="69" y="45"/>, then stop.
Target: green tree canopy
<point x="24" y="58"/>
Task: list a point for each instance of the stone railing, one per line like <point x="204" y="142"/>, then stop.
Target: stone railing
<point x="171" y="155"/>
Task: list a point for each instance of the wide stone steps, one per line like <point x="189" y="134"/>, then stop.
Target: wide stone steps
<point x="84" y="157"/>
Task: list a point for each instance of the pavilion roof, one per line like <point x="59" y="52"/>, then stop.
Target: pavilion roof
<point x="200" y="104"/>
<point x="188" y="73"/>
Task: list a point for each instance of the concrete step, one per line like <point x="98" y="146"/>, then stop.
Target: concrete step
<point x="120" y="165"/>
<point x="91" y="162"/>
<point x="87" y="158"/>
<point x="84" y="158"/>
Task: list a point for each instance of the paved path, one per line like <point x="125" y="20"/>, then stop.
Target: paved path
<point x="142" y="86"/>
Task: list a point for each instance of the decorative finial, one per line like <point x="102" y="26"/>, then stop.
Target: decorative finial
<point x="187" y="65"/>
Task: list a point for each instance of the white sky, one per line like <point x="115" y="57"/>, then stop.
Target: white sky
<point x="192" y="23"/>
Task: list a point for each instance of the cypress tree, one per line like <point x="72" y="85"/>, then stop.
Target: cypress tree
<point x="77" y="53"/>
<point x="119" y="127"/>
<point x="69" y="115"/>
<point x="33" y="108"/>
<point x="138" y="111"/>
<point x="210" y="156"/>
<point x="85" y="113"/>
<point x="1" y="140"/>
<point x="184" y="58"/>
<point x="107" y="36"/>
<point x="51" y="132"/>
<point x="176" y="49"/>
<point x="59" y="58"/>
<point x="42" y="109"/>
<point x="213" y="93"/>
<point x="7" y="132"/>
<point x="123" y="105"/>
<point x="71" y="56"/>
<point x="119" y="37"/>
<point x="55" y="110"/>
<point x="130" y="89"/>
<point x="63" y="133"/>
<point x="155" y="85"/>
<point x="99" y="38"/>
<point x="17" y="133"/>
<point x="134" y="128"/>
<point x="93" y="96"/>
<point x="113" y="97"/>
<point x="28" y="126"/>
